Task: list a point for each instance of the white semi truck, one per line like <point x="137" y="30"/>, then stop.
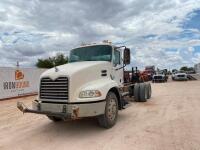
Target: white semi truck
<point x="92" y="84"/>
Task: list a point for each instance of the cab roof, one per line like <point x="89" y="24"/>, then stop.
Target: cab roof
<point x="94" y="44"/>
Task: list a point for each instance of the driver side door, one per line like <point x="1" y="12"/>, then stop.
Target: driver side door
<point x="117" y="70"/>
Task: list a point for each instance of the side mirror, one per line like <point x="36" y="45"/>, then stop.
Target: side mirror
<point x="127" y="56"/>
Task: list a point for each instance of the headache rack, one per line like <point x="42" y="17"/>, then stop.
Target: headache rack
<point x="54" y="89"/>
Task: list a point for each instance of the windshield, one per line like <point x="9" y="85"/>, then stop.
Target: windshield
<point x="91" y="53"/>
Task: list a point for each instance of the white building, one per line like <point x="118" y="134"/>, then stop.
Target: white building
<point x="197" y="68"/>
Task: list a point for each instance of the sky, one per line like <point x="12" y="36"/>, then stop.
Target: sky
<point x="164" y="33"/>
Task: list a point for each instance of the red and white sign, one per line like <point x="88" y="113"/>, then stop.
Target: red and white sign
<point x="16" y="82"/>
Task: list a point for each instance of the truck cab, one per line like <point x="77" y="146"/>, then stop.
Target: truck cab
<point x="90" y="85"/>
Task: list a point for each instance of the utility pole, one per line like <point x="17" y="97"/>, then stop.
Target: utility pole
<point x="17" y="64"/>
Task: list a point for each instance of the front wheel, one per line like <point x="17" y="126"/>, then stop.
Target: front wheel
<point x="109" y="118"/>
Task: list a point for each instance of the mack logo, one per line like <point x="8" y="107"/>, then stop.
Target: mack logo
<point x="19" y="75"/>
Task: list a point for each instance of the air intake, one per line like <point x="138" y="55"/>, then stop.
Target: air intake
<point x="54" y="89"/>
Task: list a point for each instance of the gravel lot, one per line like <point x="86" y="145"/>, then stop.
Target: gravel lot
<point x="169" y="121"/>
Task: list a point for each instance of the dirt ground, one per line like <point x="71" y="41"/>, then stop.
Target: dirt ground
<point x="169" y="121"/>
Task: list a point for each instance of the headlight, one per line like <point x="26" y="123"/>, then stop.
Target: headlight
<point x="89" y="94"/>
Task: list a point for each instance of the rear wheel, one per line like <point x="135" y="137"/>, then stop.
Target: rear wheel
<point x="149" y="90"/>
<point x="136" y="92"/>
<point x="143" y="92"/>
<point x="109" y="118"/>
<point x="54" y="119"/>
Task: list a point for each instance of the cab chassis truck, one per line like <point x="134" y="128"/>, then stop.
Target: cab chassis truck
<point x="92" y="84"/>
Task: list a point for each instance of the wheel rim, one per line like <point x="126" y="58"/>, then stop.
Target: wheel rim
<point x="112" y="109"/>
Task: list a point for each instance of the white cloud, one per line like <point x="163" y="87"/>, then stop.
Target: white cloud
<point x="40" y="28"/>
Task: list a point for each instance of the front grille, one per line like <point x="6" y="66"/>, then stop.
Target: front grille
<point x="54" y="89"/>
<point x="158" y="77"/>
<point x="181" y="76"/>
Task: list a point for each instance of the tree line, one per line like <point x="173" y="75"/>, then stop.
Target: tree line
<point x="59" y="59"/>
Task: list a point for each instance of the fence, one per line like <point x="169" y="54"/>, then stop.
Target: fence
<point x="16" y="82"/>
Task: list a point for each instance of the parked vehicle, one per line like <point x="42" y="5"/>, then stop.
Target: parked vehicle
<point x="145" y="76"/>
<point x="92" y="84"/>
<point x="173" y="75"/>
<point x="150" y="71"/>
<point x="160" y="77"/>
<point x="180" y="77"/>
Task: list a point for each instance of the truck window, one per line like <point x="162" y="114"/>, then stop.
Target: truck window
<point x="116" y="58"/>
<point x="91" y="53"/>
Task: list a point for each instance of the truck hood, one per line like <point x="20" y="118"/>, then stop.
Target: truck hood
<point x="181" y="74"/>
<point x="72" y="68"/>
<point x="79" y="74"/>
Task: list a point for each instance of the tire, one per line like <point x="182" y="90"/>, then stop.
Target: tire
<point x="109" y="118"/>
<point x="149" y="90"/>
<point x="136" y="92"/>
<point x="143" y="92"/>
<point x="54" y="119"/>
